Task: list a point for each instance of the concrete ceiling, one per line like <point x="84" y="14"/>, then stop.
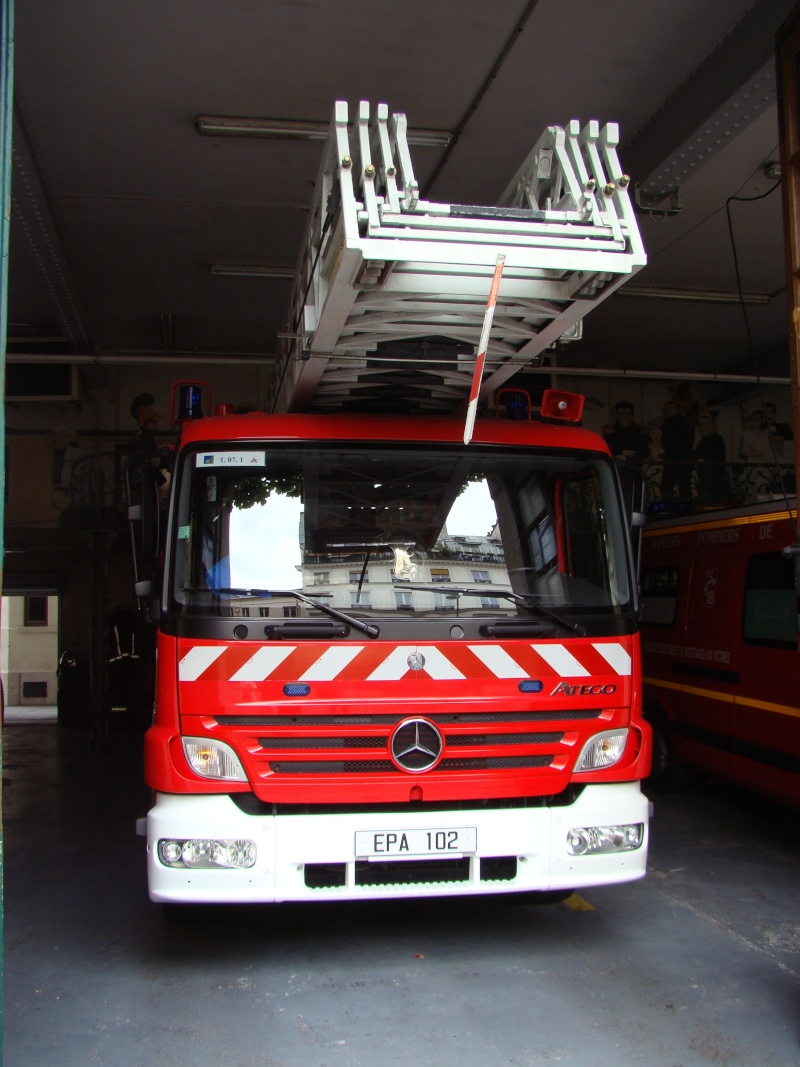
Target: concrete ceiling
<point x="120" y="207"/>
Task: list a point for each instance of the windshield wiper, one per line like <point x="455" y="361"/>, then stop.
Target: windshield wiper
<point x="368" y="628"/>
<point x="526" y="600"/>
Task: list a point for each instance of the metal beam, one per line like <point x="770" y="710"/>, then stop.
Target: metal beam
<point x="36" y="222"/>
<point x="733" y="85"/>
<point x="6" y="104"/>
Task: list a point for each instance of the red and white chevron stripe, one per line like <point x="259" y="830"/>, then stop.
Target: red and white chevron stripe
<point x="379" y="663"/>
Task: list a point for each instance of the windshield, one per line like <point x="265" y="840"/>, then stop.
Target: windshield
<point x="377" y="530"/>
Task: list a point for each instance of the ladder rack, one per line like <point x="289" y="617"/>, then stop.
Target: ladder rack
<point x="390" y="292"/>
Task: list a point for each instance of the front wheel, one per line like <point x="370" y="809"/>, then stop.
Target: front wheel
<point x="666" y="775"/>
<point x="538" y="896"/>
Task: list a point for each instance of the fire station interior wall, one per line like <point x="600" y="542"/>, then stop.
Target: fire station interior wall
<point x="64" y="489"/>
<point x="651" y="398"/>
<point x="63" y="457"/>
<point x="65" y="494"/>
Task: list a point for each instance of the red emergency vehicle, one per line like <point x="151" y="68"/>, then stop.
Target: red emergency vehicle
<point x="720" y="647"/>
<point x="389" y="663"/>
<point x="398" y="653"/>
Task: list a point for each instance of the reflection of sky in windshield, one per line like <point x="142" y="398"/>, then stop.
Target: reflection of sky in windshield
<point x="472" y="514"/>
<point x="265" y="548"/>
<point x="265" y="551"/>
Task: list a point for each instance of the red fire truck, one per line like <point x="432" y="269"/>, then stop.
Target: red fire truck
<point x="395" y="658"/>
<point x="720" y="647"/>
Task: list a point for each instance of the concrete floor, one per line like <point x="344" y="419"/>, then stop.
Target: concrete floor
<point x="699" y="964"/>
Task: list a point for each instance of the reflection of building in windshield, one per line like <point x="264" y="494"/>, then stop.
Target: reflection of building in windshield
<point x="365" y="581"/>
<point x="474" y="563"/>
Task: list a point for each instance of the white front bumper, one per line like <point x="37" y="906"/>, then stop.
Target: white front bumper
<point x="536" y="837"/>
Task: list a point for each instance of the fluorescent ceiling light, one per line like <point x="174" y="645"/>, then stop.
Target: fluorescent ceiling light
<point x="291" y="129"/>
<point x="429" y="138"/>
<point x="251" y="270"/>
<point x="703" y="296"/>
<point x="299" y="130"/>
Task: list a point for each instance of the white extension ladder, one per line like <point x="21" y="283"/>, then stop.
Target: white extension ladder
<point x="390" y="292"/>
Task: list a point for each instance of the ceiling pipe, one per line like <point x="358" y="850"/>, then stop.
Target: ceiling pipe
<point x="700" y="296"/>
<point x="267" y="359"/>
<point x="176" y="359"/>
<point x="673" y="374"/>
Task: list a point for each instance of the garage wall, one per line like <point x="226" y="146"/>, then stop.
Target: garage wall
<point x="66" y="458"/>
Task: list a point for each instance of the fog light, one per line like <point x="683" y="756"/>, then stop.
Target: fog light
<point x="207" y="853"/>
<point x="602" y="751"/>
<point x="171" y="852"/>
<point x="213" y="759"/>
<point x="594" y="840"/>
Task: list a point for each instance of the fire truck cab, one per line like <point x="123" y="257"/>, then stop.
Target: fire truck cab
<point x="720" y="647"/>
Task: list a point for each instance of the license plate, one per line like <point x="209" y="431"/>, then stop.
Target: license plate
<point x="411" y="844"/>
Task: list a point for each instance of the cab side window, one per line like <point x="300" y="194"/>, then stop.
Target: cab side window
<point x="659" y="596"/>
<point x="770" y="606"/>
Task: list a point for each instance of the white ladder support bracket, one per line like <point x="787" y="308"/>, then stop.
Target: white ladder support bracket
<point x="383" y="276"/>
<point x="388" y="169"/>
<point x="410" y="187"/>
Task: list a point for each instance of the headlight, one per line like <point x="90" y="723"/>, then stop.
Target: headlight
<point x="208" y="853"/>
<point x="213" y="759"/>
<point x="591" y="840"/>
<point x="603" y="750"/>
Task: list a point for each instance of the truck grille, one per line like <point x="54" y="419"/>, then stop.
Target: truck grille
<point x="387" y="767"/>
<point x="337" y="746"/>
<point x="269" y="744"/>
<point x="359" y="742"/>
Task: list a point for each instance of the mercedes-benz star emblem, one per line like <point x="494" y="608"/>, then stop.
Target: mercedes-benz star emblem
<point x="416" y="661"/>
<point x="416" y="745"/>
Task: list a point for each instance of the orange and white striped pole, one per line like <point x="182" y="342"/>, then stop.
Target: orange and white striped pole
<point x="477" y="376"/>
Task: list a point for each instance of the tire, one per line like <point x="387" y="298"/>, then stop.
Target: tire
<point x="666" y="775"/>
<point x="205" y="913"/>
<point x="183" y="914"/>
<point x="536" y="897"/>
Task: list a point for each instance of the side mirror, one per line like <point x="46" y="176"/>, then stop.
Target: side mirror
<point x="149" y="515"/>
<point x="633" y="497"/>
<point x="144" y="523"/>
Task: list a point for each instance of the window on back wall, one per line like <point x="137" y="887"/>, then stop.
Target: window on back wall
<point x="34" y="690"/>
<point x="35" y="610"/>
